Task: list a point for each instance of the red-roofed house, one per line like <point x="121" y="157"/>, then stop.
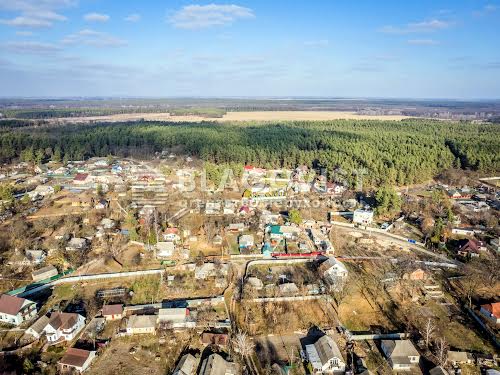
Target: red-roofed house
<point x="80" y="178"/>
<point x="15" y="310"/>
<point x="76" y="360"/>
<point x="112" y="312"/>
<point x="471" y="248"/>
<point x="491" y="311"/>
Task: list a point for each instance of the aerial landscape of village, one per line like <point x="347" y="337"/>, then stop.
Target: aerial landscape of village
<point x="239" y="232"/>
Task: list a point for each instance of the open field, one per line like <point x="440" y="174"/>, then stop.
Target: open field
<point x="150" y="356"/>
<point x="236" y="116"/>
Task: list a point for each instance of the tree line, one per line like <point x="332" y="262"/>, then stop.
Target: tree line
<point x="386" y="152"/>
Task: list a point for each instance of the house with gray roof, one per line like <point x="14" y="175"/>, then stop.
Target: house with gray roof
<point x="214" y="364"/>
<point x="187" y="365"/>
<point x="401" y="354"/>
<point x="325" y="356"/>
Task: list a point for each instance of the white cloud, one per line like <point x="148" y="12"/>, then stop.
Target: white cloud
<point x="93" y="38"/>
<point x="29" y="47"/>
<point x="34" y="13"/>
<point x="487" y="9"/>
<point x="317" y="43"/>
<point x="96" y="17"/>
<point x="134" y="17"/>
<point x="423" y="42"/>
<point x="204" y="16"/>
<point x="417" y="27"/>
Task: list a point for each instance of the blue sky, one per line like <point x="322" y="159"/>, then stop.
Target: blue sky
<point x="424" y="49"/>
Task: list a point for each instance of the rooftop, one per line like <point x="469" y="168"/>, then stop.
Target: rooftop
<point x="75" y="357"/>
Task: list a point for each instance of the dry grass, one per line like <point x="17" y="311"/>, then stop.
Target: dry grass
<point x="236" y="116"/>
<point x="150" y="358"/>
<point x="358" y="314"/>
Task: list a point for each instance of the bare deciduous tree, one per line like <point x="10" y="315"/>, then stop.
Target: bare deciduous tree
<point x="429" y="331"/>
<point x="441" y="353"/>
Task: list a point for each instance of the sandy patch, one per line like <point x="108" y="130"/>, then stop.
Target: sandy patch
<point x="235" y="116"/>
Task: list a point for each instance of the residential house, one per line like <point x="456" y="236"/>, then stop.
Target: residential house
<point x="213" y="208"/>
<point x="245" y="241"/>
<point x="463" y="231"/>
<point x="278" y="232"/>
<point x="141" y="324"/>
<point x="491" y="311"/>
<point x="187" y="365"/>
<point x="176" y="316"/>
<point x="44" y="273"/>
<point x="210" y="270"/>
<point x="76" y="360"/>
<point x="164" y="249"/>
<point x="38" y="328"/>
<point x="112" y="312"/>
<point x="35" y="256"/>
<point x="325" y="357"/>
<point x="171" y="234"/>
<point x="362" y="216"/>
<point x="316" y="236"/>
<point x="464" y="193"/>
<point x="495" y="245"/>
<point x="471" y="248"/>
<point x="16" y="310"/>
<point x="236" y="227"/>
<point x="268" y="218"/>
<point x="214" y="364"/>
<point x="401" y="354"/>
<point x="81" y="179"/>
<point x="334" y="273"/>
<point x="230" y="206"/>
<point x="63" y="326"/>
<point x="77" y="244"/>
<point x="458" y="358"/>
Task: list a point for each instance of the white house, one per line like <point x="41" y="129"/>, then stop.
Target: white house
<point x="77" y="244"/>
<point x="63" y="326"/>
<point x="165" y="249"/>
<point x="76" y="360"/>
<point x="35" y="256"/>
<point x="364" y="217"/>
<point x="177" y="316"/>
<point x="142" y="324"/>
<point x="317" y="237"/>
<point x="325" y="357"/>
<point x="15" y="310"/>
<point x="401" y="354"/>
<point x="246" y="241"/>
<point x="37" y="329"/>
<point x="334" y="272"/>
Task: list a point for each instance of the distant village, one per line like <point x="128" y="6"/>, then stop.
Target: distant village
<point x="156" y="266"/>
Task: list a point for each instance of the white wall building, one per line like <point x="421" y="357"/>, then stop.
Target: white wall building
<point x="15" y="310"/>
